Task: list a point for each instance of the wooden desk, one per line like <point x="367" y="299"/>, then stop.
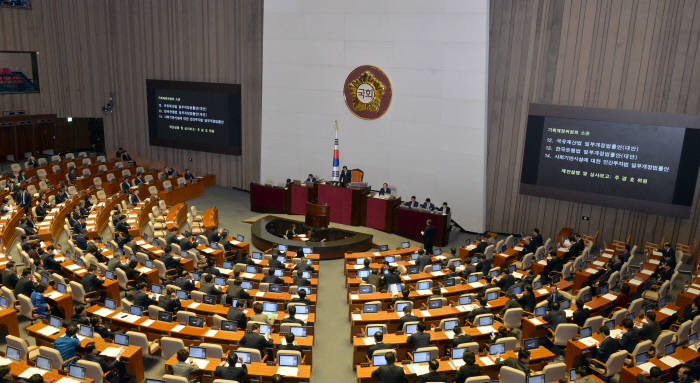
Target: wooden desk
<point x="138" y="216"/>
<point x="268" y="198"/>
<point x="8" y="321"/>
<point x="380" y="213"/>
<point x="347" y="204"/>
<point x="180" y="194"/>
<point x="17" y="368"/>
<point x="628" y="374"/>
<point x="132" y="356"/>
<point x="210" y="219"/>
<point x="410" y="223"/>
<point x="8" y="223"/>
<point x="177" y="215"/>
<point x="254" y="369"/>
<point x="99" y="216"/>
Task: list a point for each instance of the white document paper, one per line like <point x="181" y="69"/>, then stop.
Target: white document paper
<point x="357" y="267"/>
<point x="654" y="261"/>
<point x="53" y="295"/>
<point x="591" y="270"/>
<point x="143" y="269"/>
<point x="112" y="352"/>
<point x="406" y="278"/>
<point x="131" y="318"/>
<point x="570" y="313"/>
<point x="670" y="361"/>
<point x="646" y="271"/>
<point x="476" y="285"/>
<point x="73" y="267"/>
<point x="5" y="361"/>
<point x="610" y="297"/>
<point x="543" y="291"/>
<point x="667" y="311"/>
<point x="693" y="291"/>
<point x="616" y="333"/>
<point x="200" y="363"/>
<point x="536" y="321"/>
<point x="103" y="312"/>
<point x="542" y="262"/>
<point x="287" y="371"/>
<point x="599" y="263"/>
<point x="486" y="361"/>
<point x="260" y="294"/>
<point x="517" y="275"/>
<point x="420" y="369"/>
<point x="635" y="282"/>
<point x="518" y="248"/>
<point x="208" y="250"/>
<point x="589" y="341"/>
<point x="563" y="249"/>
<point x="437" y="273"/>
<point x="457" y="363"/>
<point x="486" y="329"/>
<point x="424" y="292"/>
<point x="31" y="371"/>
<point x="48" y="331"/>
<point x="234" y="242"/>
<point x="369" y="341"/>
<point x="471" y="247"/>
<point x="425" y="313"/>
<point x="356" y="317"/>
<point x="177" y="328"/>
<point x="450" y="334"/>
<point x="211" y="333"/>
<point x="248" y="275"/>
<point x="354" y="297"/>
<point x="646" y="366"/>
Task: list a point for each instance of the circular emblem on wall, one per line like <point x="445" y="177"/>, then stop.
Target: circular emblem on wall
<point x="367" y="92"/>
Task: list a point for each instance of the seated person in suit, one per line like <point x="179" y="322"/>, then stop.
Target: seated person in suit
<point x="630" y="337"/>
<point x="521" y="363"/>
<point x="527" y="300"/>
<point x="412" y="202"/>
<point x="428" y="205"/>
<point x="114" y="370"/>
<point x="692" y="310"/>
<point x="378" y="344"/>
<point x="581" y="313"/>
<point x="390" y="373"/>
<point x="237" y="315"/>
<point x="460" y="337"/>
<point x="404" y="296"/>
<point x="236" y="292"/>
<point x="253" y="339"/>
<point x="289" y="234"/>
<point x="511" y="303"/>
<point x="185" y="282"/>
<point x="140" y="296"/>
<point x="169" y="301"/>
<point x="272" y="278"/>
<point x="469" y="369"/>
<point x="67" y="344"/>
<point x="189" y="177"/>
<point x="433" y="375"/>
<point x="385" y="189"/>
<point x="650" y="330"/>
<point x="608" y="347"/>
<point x="299" y="279"/>
<point x="259" y="315"/>
<point x="420" y="338"/>
<point x="291" y="319"/>
<point x="555" y="316"/>
<point x="444" y="209"/>
<point x="207" y="286"/>
<point x="301" y="297"/>
<point x="310" y="179"/>
<point x="234" y="369"/>
<point x="407" y="317"/>
<point x="182" y="368"/>
<point x="392" y="277"/>
<point x="291" y="343"/>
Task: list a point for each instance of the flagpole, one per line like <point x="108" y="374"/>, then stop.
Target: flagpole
<point x="336" y="156"/>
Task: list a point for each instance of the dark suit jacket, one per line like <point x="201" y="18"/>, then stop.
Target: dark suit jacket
<point x="432" y="376"/>
<point x="428" y="235"/>
<point x="409" y="204"/>
<point x="555" y="318"/>
<point x="169" y="304"/>
<point x="184" y="284"/>
<point x="422" y="261"/>
<point x="384" y="191"/>
<point x="237" y="292"/>
<point x="256" y="341"/>
<point x="171" y="237"/>
<point x="379" y="346"/>
<point x="390" y="374"/>
<point x="345" y="177"/>
<point x="208" y="288"/>
<point x="629" y="340"/>
<point x="407" y="318"/>
<point x="462" y="338"/>
<point x="607" y="348"/>
<point x="467" y="371"/>
<point x="650" y="331"/>
<point x="418" y="340"/>
<point x="170" y="261"/>
<point x="231" y="373"/>
<point x="580" y="316"/>
<point x="91" y="282"/>
<point x="9" y="279"/>
<point x="24" y="286"/>
<point x="142" y="299"/>
<point x="235" y="314"/>
<point x="430" y="206"/>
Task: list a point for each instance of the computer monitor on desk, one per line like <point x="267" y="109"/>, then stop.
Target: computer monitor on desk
<point x="378" y="359"/>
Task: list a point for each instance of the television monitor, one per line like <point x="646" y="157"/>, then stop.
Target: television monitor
<point x="364" y="273"/>
<point x="371" y="330"/>
<point x="121" y="339"/>
<point x="256" y="255"/>
<point x="282" y="248"/>
<point x="495" y="273"/>
<point x="153" y="381"/>
<point x="450" y="324"/>
<point x="630" y="316"/>
<point x="214" y="245"/>
<point x="511" y="268"/>
<point x="269" y="307"/>
<point x="493" y="295"/>
<point x="645" y="161"/>
<point x="360" y="261"/>
<point x="538" y="378"/>
<point x="572" y="374"/>
<point x="43" y="363"/>
<point x="587" y="297"/>
<point x="228" y="325"/>
<point x="436" y="267"/>
<point x="209" y="299"/>
<point x="421" y="357"/>
<point x="149" y="263"/>
<point x="693" y="338"/>
<point x="265" y="328"/>
<point x="565" y="304"/>
<point x="228" y="265"/>
<point x="414" y="256"/>
<point x="196" y="321"/>
<point x="537" y="285"/>
<point x="586" y="332"/>
<point x="306" y="274"/>
<point x="44" y="280"/>
<point x="517" y="289"/>
<point x="240" y="238"/>
<point x="307" y="250"/>
<point x="424" y="285"/>
<point x="55" y="321"/>
<point x="472" y="278"/>
<point x="413" y="269"/>
<point x="370" y="308"/>
<point x="288" y="360"/>
<point x="251" y="269"/>
<point x="275" y="288"/>
<point x="245" y="356"/>
<point x="383" y="247"/>
<point x="366" y="289"/>
<point x="641" y="358"/>
<point x="669" y="348"/>
<point x="405" y="245"/>
<point x="662" y="302"/>
<point x="298" y="331"/>
<point x="458" y="352"/>
<point x="465" y="300"/>
<point x="281" y="258"/>
<point x="435" y="303"/>
<point x="136" y="310"/>
<point x="247" y="285"/>
<point x="378" y="359"/>
<point x="389" y="258"/>
<point x="437" y="251"/>
<point x="411" y="328"/>
<point x="157" y="289"/>
<point x="400" y="305"/>
<point x="475" y="260"/>
<point x="181" y="294"/>
<point x="531" y="343"/>
<point x="610" y="324"/>
<point x="219" y="281"/>
<point x="198" y="352"/>
<point x="603" y="289"/>
<point x="85" y="331"/>
<point x="195" y="277"/>
<point x="302" y="309"/>
<point x="12" y="353"/>
<point x="110" y="304"/>
<point x="109" y="275"/>
<point x="497" y="348"/>
<point x="540" y="311"/>
<point x="486" y="320"/>
<point x="195" y="116"/>
<point x="448" y="281"/>
<point x="3" y="302"/>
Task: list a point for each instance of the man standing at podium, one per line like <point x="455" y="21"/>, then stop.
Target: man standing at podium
<point x="345" y="177"/>
<point x="428" y="236"/>
<point x="385" y="190"/>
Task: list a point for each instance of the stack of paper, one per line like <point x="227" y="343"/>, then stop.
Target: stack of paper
<point x="73" y="267"/>
<point x="610" y="297"/>
<point x="31" y="371"/>
<point x="517" y="275"/>
<point x="599" y="263"/>
<point x="542" y="291"/>
<point x="646" y="366"/>
<point x="437" y="273"/>
<point x="234" y="242"/>
<point x="635" y="282"/>
<point x="693" y="291"/>
<point x="536" y="321"/>
<point x="287" y="371"/>
<point x="476" y="285"/>
<point x="486" y="361"/>
<point x="563" y="249"/>
<point x="356" y="317"/>
<point x="143" y="269"/>
<point x="177" y="328"/>
<point x="211" y="333"/>
<point x="542" y="262"/>
<point x="419" y="369"/>
<point x="646" y="271"/>
<point x="5" y="361"/>
<point x="667" y="311"/>
<point x="354" y="297"/>
<point x="248" y="275"/>
<point x="616" y="333"/>
<point x="457" y="363"/>
<point x="200" y="363"/>
<point x="518" y="248"/>
<point x="112" y="352"/>
<point x="208" y="250"/>
<point x="486" y="329"/>
<point x="450" y="334"/>
<point x="670" y="361"/>
<point x="260" y="294"/>
<point x="424" y="292"/>
<point x="103" y="312"/>
<point x="369" y="341"/>
<point x="48" y="330"/>
<point x="569" y="313"/>
<point x="425" y="313"/>
<point x="53" y="295"/>
<point x="591" y="270"/>
<point x="589" y="341"/>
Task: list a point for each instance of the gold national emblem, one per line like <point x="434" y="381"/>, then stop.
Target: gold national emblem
<point x="367" y="92"/>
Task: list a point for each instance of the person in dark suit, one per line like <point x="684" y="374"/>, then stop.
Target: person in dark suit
<point x="116" y="369"/>
<point x="171" y="236"/>
<point x="652" y="329"/>
<point x="555" y="317"/>
<point x="345" y="176"/>
<point x="125" y="185"/>
<point x="521" y="363"/>
<point x="42" y="208"/>
<point x="407" y="317"/>
<point x="233" y="369"/>
<point x="390" y="373"/>
<point x="185" y="282"/>
<point x="207" y="287"/>
<point x="424" y="259"/>
<point x="631" y="337"/>
<point x="469" y="369"/>
<point x="483" y="265"/>
<point x="527" y="300"/>
<point x="236" y="292"/>
<point x="310" y="179"/>
<point x="24" y="200"/>
<point x="291" y="319"/>
<point x="654" y="376"/>
<point x="428" y="205"/>
<point x="420" y="338"/>
<point x="134" y="198"/>
<point x="169" y="301"/>
<point x="506" y="282"/>
<point x="25" y="285"/>
<point x="482" y="309"/>
<point x="554" y="296"/>
<point x="412" y="202"/>
<point x="689" y="313"/>
<point x="214" y="235"/>
<point x="385" y="189"/>
<point x="392" y="277"/>
<point x="272" y="278"/>
<point x="433" y="375"/>
<point x="577" y="247"/>
<point x="289" y="234"/>
<point x="460" y="337"/>
<point x="80" y="240"/>
<point x="138" y="180"/>
<point x="170" y="260"/>
<point x="537" y="238"/>
<point x="444" y="209"/>
<point x="299" y="279"/>
<point x="253" y="339"/>
<point x="608" y="347"/>
<point x="291" y="344"/>
<point x="669" y="255"/>
<point x="61" y="196"/>
<point x="118" y="153"/>
<point x="126" y="156"/>
<point x="189" y="177"/>
<point x="511" y="303"/>
<point x="140" y="296"/>
<point x="72" y="176"/>
<point x="9" y="275"/>
<point x="91" y="282"/>
<point x="378" y="344"/>
<point x="581" y="313"/>
<point x="428" y="236"/>
<point x="301" y="298"/>
<point x="237" y="315"/>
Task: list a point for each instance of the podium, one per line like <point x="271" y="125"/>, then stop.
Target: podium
<point x="317" y="215"/>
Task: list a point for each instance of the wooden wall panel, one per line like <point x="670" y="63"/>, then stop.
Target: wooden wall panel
<point x="90" y="49"/>
<point x="624" y="54"/>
